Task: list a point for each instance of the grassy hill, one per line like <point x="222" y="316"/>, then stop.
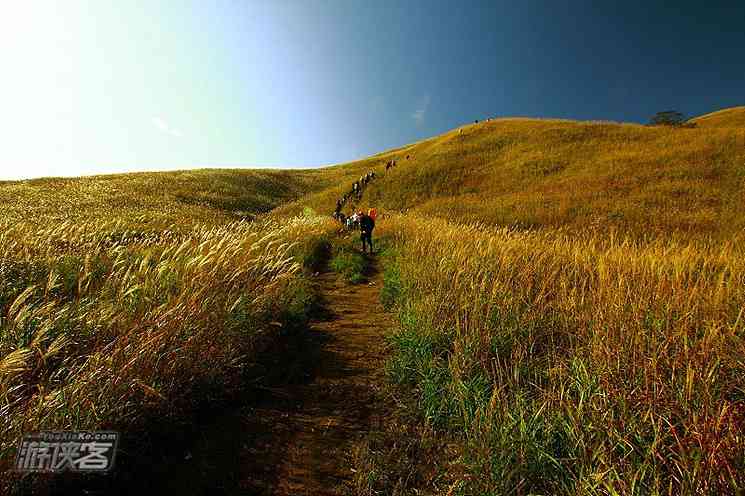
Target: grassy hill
<point x="122" y="292"/>
<point x="563" y="360"/>
<point x="540" y="172"/>
<point x="566" y="360"/>
<point x="158" y="199"/>
<point x="729" y="117"/>
<point x="524" y="172"/>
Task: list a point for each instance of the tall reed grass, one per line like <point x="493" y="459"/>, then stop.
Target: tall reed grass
<point x="103" y="326"/>
<point x="575" y="364"/>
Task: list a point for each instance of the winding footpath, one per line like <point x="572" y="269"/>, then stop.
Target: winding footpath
<point x="316" y="423"/>
<point x="298" y="436"/>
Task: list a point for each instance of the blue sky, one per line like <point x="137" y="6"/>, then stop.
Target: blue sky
<point x="98" y="87"/>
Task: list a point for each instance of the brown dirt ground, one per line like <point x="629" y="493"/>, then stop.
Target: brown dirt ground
<point x="309" y="428"/>
<point x="295" y="434"/>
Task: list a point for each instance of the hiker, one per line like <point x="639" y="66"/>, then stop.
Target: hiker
<point x="353" y="220"/>
<point x="367" y="224"/>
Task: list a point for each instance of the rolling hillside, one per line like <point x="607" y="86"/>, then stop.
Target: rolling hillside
<point x="522" y="347"/>
<point x="158" y="199"/>
<point x="524" y="172"/>
<point x="535" y="172"/>
<point x="729" y="117"/>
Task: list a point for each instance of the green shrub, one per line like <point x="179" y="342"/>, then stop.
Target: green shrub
<point x="349" y="265"/>
<point x="299" y="303"/>
<point x="316" y="253"/>
<point x="419" y="360"/>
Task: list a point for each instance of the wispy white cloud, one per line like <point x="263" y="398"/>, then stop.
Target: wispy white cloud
<point x="421" y="112"/>
<point x="164" y="127"/>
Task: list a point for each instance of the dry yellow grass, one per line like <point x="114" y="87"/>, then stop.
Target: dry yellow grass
<point x="155" y="200"/>
<point x="576" y="364"/>
<point x="120" y="294"/>
<point x="103" y="326"/>
<point x="652" y="181"/>
<point x="592" y="344"/>
<point x="729" y="117"/>
<point x="570" y="296"/>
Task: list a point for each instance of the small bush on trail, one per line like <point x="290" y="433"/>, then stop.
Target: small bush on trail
<point x="299" y="303"/>
<point x="309" y="212"/>
<point x="316" y="253"/>
<point x="349" y="264"/>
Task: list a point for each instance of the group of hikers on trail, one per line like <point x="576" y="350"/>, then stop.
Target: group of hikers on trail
<point x="365" y="222"/>
<point x="355" y="193"/>
<point x="357" y="186"/>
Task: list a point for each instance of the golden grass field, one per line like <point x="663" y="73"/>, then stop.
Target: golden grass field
<point x="575" y="364"/>
<point x="652" y="181"/>
<point x="158" y="199"/>
<point x="570" y="296"/>
<point x="729" y="117"/>
<point x="119" y="294"/>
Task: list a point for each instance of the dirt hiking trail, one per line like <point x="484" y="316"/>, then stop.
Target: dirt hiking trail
<point x="295" y="434"/>
<point x="315" y="423"/>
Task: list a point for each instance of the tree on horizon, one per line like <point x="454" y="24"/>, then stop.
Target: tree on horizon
<point x="670" y="118"/>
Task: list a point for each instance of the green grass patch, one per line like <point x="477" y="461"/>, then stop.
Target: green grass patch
<point x="392" y="290"/>
<point x="349" y="264"/>
<point x="315" y="253"/>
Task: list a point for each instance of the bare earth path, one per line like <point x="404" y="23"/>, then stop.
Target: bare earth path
<point x="339" y="404"/>
<point x="297" y="438"/>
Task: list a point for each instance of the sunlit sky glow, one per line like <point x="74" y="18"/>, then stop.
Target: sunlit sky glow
<point x="111" y="86"/>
